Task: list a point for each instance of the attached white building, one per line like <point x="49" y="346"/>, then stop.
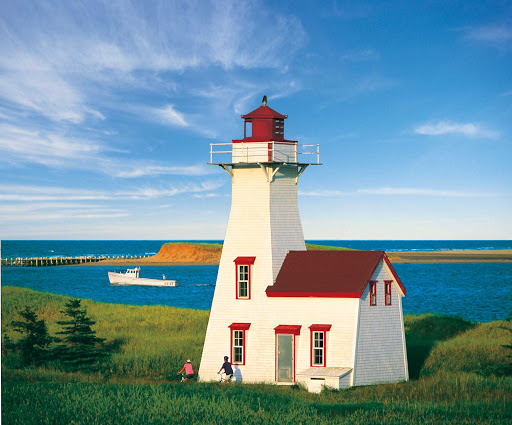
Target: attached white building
<point x="283" y="314"/>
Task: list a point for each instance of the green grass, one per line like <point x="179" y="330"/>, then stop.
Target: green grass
<point x="315" y="247"/>
<point x="309" y="246"/>
<point x="424" y="331"/>
<point x="453" y="363"/>
<point x="129" y="329"/>
<point x="202" y="244"/>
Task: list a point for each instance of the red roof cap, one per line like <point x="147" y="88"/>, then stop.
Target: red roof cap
<point x="342" y="274"/>
<point x="239" y="326"/>
<point x="244" y="260"/>
<point x="264" y="112"/>
<point x="288" y="329"/>
<point x="320" y="327"/>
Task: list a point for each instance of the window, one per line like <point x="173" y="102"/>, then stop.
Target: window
<point x="238" y="339"/>
<point x="373" y="292"/>
<point x="238" y="347"/>
<point x="318" y="344"/>
<point x="243" y="277"/>
<point x="318" y="348"/>
<point x="387" y="291"/>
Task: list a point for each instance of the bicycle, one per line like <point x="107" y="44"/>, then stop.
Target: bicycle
<point x="224" y="377"/>
<point x="182" y="377"/>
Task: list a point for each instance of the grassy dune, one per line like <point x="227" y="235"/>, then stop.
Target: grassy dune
<point x="131" y="330"/>
<point x="452" y="383"/>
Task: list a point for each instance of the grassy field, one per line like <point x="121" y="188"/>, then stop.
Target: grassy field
<point x="456" y="366"/>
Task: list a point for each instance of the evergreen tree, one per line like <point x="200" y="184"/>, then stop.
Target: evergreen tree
<point x="34" y="346"/>
<point x="82" y="349"/>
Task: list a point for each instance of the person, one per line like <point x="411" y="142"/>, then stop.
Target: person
<point x="163" y="277"/>
<point x="189" y="371"/>
<point x="228" y="370"/>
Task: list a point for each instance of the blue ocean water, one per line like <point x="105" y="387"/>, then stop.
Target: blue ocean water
<point x="56" y="248"/>
<point x="474" y="291"/>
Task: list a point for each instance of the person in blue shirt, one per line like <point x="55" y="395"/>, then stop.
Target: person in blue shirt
<point x="228" y="370"/>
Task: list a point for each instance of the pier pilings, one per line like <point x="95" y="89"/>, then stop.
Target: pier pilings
<point x="59" y="261"/>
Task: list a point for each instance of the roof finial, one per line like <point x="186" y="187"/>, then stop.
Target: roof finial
<point x="264" y="101"/>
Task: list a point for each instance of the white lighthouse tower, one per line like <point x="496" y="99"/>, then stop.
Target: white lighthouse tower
<point x="264" y="224"/>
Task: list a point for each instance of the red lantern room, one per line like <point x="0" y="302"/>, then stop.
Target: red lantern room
<point x="263" y="125"/>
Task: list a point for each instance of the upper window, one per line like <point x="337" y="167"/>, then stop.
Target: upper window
<point x="387" y="291"/>
<point x="243" y="277"/>
<point x="243" y="281"/>
<point x="318" y="344"/>
<point x="238" y="340"/>
<point x="373" y="292"/>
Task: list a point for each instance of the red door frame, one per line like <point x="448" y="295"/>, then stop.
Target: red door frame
<point x="289" y="330"/>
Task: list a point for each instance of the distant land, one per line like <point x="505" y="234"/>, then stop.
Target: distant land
<point x="199" y="253"/>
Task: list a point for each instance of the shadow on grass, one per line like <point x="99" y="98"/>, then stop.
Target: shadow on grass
<point x="114" y="346"/>
<point x="424" y="331"/>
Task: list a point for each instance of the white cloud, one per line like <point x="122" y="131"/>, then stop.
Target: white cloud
<point x="323" y="193"/>
<point x="169" y="115"/>
<point x="499" y="34"/>
<point x="22" y="145"/>
<point x="449" y="127"/>
<point x="151" y="170"/>
<point x="404" y="191"/>
<point x="41" y="194"/>
<point x="56" y="58"/>
<point x="363" y="55"/>
<point x="28" y="145"/>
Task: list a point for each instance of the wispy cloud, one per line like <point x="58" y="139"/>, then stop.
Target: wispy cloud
<point x="30" y="145"/>
<point x="21" y="193"/>
<point x="363" y="55"/>
<point x="323" y="193"/>
<point x="499" y="35"/>
<point x="43" y="212"/>
<point x="170" y="115"/>
<point x="19" y="145"/>
<point x="152" y="170"/>
<point x="407" y="191"/>
<point x="110" y="44"/>
<point x="441" y="128"/>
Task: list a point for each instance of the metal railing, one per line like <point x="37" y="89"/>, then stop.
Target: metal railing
<point x="255" y="152"/>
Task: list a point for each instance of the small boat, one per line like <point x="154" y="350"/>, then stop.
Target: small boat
<point x="131" y="277"/>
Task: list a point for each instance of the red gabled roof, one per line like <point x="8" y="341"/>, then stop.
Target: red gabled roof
<point x="264" y="112"/>
<point x="343" y="274"/>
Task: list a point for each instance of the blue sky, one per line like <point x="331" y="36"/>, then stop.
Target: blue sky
<point x="107" y="110"/>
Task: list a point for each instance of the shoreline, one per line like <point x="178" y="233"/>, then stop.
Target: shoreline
<point x="454" y="256"/>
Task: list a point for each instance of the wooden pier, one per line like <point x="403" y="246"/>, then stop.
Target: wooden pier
<point x="59" y="261"/>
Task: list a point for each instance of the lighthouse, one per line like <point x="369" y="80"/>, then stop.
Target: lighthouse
<point x="264" y="224"/>
<point x="283" y="314"/>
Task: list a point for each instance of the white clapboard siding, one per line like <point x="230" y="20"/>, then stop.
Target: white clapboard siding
<point x="264" y="223"/>
<point x="380" y="351"/>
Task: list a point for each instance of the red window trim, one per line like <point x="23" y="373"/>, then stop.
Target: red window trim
<point x="243" y="261"/>
<point x="286" y="329"/>
<point x="238" y="327"/>
<point x="373" y="293"/>
<point x="387" y="284"/>
<point x="318" y="328"/>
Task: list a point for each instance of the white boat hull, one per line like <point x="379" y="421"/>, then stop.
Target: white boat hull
<point x="122" y="279"/>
